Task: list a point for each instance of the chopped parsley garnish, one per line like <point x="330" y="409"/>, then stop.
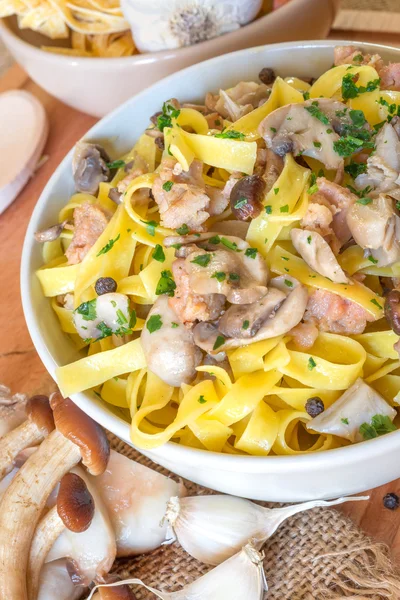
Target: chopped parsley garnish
<point x="230" y="134"/>
<point x="380" y="424"/>
<point x="169" y="112"/>
<point x="391" y="107"/>
<point x="317" y="113"/>
<point x="174" y="325"/>
<point x="288" y="283"/>
<point x="284" y="209"/>
<point x="276" y="191"/>
<point x="246" y="324"/>
<point x="341" y="113"/>
<point x="176" y="246"/>
<point x="165" y="285"/>
<point x="398" y="205"/>
<point x="234" y="276"/>
<point x="364" y="201"/>
<point x="268" y="209"/>
<point x="376" y="303"/>
<point x="358" y="118"/>
<point x="167" y="186"/>
<point x="215" y="240"/>
<point x="379" y="126"/>
<point x="354" y="169"/>
<point x="273" y="129"/>
<point x="309" y="238"/>
<point x="220" y="341"/>
<point x="373" y="260"/>
<point x="121" y="318"/>
<point x="240" y="203"/>
<point x="202" y="260"/>
<point x="284" y="258"/>
<point x="351" y="90"/>
<point x="217" y="122"/>
<point x="201" y="400"/>
<point x="108" y="246"/>
<point x="358" y="58"/>
<point x="346" y="146"/>
<point x="154" y="323"/>
<point x="329" y="131"/>
<point x="183" y="229"/>
<point x="317" y="144"/>
<point x="229" y="244"/>
<point x="116" y="164"/>
<point x="219" y="276"/>
<point x="306" y="95"/>
<point x="104" y="329"/>
<point x="150" y="227"/>
<point x="88" y="310"/>
<point x="132" y="319"/>
<point x="345" y="421"/>
<point x="313" y="185"/>
<point x="251" y="252"/>
<point x="158" y="253"/>
<point x="311" y="363"/>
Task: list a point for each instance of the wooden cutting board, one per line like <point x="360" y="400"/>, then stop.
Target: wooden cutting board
<point x="20" y="367"/>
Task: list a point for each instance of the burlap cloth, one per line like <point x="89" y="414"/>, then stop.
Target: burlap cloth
<point x="378" y="5"/>
<point x="315" y="555"/>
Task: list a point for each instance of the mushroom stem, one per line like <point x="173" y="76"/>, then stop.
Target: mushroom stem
<point x="38" y="425"/>
<point x="12" y="443"/>
<point x="48" y="530"/>
<point x="18" y="519"/>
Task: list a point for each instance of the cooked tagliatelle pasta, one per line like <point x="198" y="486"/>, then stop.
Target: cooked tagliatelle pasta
<point x="232" y="282"/>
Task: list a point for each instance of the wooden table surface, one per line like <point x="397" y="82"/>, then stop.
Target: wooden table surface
<point x="20" y="366"/>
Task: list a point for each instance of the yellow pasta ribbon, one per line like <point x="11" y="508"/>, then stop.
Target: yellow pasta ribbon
<point x="211" y="433"/>
<point x="249" y="359"/>
<point x="330" y="82"/>
<point x="297" y="397"/>
<point x="263" y="230"/>
<point x="244" y="396"/>
<point x="93" y="370"/>
<point x="58" y="280"/>
<point x="288" y="419"/>
<point x="283" y="262"/>
<point x="333" y="363"/>
<point x="189" y="410"/>
<point x="64" y="316"/>
<point x="114" y="392"/>
<point x="261" y="431"/>
<point x="379" y="343"/>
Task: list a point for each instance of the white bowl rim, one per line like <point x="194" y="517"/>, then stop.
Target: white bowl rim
<point x="353" y="453"/>
<point x="141" y="58"/>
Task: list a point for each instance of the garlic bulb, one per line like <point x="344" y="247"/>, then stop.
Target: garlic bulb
<point x="213" y="528"/>
<point x="238" y="578"/>
<point x="166" y="24"/>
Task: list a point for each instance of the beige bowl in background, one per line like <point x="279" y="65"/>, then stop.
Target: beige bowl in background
<point x="98" y="85"/>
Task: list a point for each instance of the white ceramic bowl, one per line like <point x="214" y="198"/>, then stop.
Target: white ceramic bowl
<point x="277" y="478"/>
<point x="97" y="86"/>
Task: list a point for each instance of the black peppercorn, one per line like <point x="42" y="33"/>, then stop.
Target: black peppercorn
<point x="267" y="75"/>
<point x="391" y="501"/>
<point x="105" y="285"/>
<point x="314" y="406"/>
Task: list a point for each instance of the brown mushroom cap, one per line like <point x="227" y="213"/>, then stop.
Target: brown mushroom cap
<point x="38" y="410"/>
<point x="80" y="429"/>
<point x="121" y="592"/>
<point x="75" y="504"/>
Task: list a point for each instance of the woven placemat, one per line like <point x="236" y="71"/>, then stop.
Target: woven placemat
<point x="315" y="555"/>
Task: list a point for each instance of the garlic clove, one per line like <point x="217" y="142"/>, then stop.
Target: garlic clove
<point x="241" y="576"/>
<point x="159" y="25"/>
<point x="213" y="528"/>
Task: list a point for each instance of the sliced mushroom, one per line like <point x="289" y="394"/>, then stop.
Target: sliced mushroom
<point x="38" y="425"/>
<point x="51" y="233"/>
<point x="383" y="165"/>
<point x="92" y="551"/>
<point x="89" y="167"/>
<point x="10" y="417"/>
<point x="288" y="315"/>
<point x="318" y="255"/>
<point x="355" y="407"/>
<point x="169" y="349"/>
<point x="102" y="316"/>
<point x="55" y="582"/>
<point x="376" y="227"/>
<point x="245" y="273"/>
<point x="293" y="129"/>
<point x="245" y="320"/>
<point x="135" y="497"/>
<point x="75" y="438"/>
<point x="74" y="510"/>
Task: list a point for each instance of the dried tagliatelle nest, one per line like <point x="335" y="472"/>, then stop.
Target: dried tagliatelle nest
<point x="114" y="28"/>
